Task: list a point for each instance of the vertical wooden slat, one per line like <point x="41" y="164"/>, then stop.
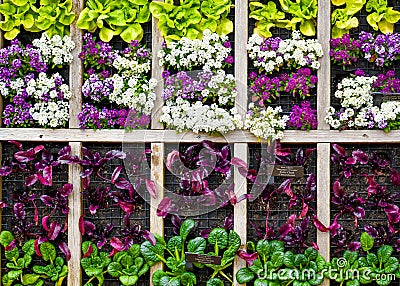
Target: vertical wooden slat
<point x="241" y="32"/>
<point x="76" y="69"/>
<point x="240" y="209"/>
<point x="157" y="175"/>
<point x="75" y="205"/>
<point x="324" y="72"/>
<point x="323" y="198"/>
<point x="156" y="72"/>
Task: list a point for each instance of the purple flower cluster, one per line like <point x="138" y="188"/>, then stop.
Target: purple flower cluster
<point x="186" y="85"/>
<point x="387" y="83"/>
<point x="303" y="117"/>
<point x="98" y="58"/>
<point x="265" y="89"/>
<point x="382" y="50"/>
<point x="345" y="51"/>
<point x="95" y="118"/>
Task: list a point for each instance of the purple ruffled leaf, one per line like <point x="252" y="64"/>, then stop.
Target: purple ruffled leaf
<point x="205" y="233"/>
<point x="162" y="209"/>
<point x="19" y="211"/>
<point x="55" y="229"/>
<point x="393" y="213"/>
<point x="44" y="223"/>
<point x="117" y="244"/>
<point x="354" y="246"/>
<point x="151" y="188"/>
<point x="249" y="258"/>
<point x="47" y="200"/>
<point x="31" y="180"/>
<point x="5" y="171"/>
<point x="66" y="190"/>
<point x="25" y="156"/>
<point x="360" y="156"/>
<point x="149" y="236"/>
<point x="89" y="251"/>
<point x="116" y="174"/>
<point x="171" y="159"/>
<point x="93" y="209"/>
<point x="126" y="207"/>
<point x="339" y="149"/>
<point x="11" y="245"/>
<point x="17" y="144"/>
<point x="65" y="249"/>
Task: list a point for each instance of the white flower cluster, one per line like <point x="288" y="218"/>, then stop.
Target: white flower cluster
<point x="295" y="52"/>
<point x="218" y="88"/>
<point x="266" y="123"/>
<point x="209" y="52"/>
<point x="183" y="115"/>
<point x="45" y="88"/>
<point x="355" y="92"/>
<point x="55" y="50"/>
<point x="129" y="65"/>
<point x="134" y="92"/>
<point x="357" y="102"/>
<point x="52" y="113"/>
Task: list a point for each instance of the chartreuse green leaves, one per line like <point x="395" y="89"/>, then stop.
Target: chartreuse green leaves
<point x="19" y="263"/>
<point x="53" y="17"/>
<point x="191" y="18"/>
<point x="381" y="16"/>
<point x="123" y="18"/>
<point x="343" y="18"/>
<point x="303" y="13"/>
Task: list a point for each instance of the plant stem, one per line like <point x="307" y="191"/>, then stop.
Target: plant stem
<point x="91" y="278"/>
<point x="226" y="276"/>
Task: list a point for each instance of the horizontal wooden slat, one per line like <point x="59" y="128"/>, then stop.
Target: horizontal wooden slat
<point x="170" y="136"/>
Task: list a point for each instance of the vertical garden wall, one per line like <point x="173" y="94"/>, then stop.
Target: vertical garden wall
<point x="93" y="129"/>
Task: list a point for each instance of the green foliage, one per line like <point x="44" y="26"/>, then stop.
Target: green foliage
<point x="94" y="262"/>
<point x="192" y="17"/>
<point x="128" y="266"/>
<point x="343" y="18"/>
<point x="273" y="259"/>
<point x="226" y="245"/>
<point x="381" y="16"/>
<point x="123" y="18"/>
<point x="53" y="17"/>
<point x="172" y="253"/>
<point x="19" y="264"/>
<point x="304" y="13"/>
<point x="267" y="16"/>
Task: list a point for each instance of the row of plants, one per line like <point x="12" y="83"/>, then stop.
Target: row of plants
<point x="122" y="253"/>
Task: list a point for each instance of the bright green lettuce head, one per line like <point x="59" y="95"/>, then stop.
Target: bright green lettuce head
<point x="342" y="19"/>
<point x="123" y="18"/>
<point x="267" y="16"/>
<point x="383" y="17"/>
<point x="303" y="12"/>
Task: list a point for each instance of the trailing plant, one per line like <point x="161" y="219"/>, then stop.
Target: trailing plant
<point x="191" y="17"/>
<point x="343" y="19"/>
<point x="172" y="253"/>
<point x="271" y="258"/>
<point x="123" y="18"/>
<point x="52" y="17"/>
<point x="381" y="16"/>
<point x="20" y="268"/>
<point x="117" y="77"/>
<point x="267" y="16"/>
<point x="303" y="13"/>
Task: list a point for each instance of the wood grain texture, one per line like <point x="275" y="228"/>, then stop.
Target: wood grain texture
<point x="75" y="205"/>
<point x="240" y="209"/>
<point x="156" y="72"/>
<point x="76" y="69"/>
<point x="323" y="198"/>
<point x="241" y="31"/>
<point x="324" y="72"/>
<point x="170" y="136"/>
<point x="157" y="175"/>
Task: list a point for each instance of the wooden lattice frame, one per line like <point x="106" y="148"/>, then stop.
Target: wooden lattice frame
<point x="322" y="137"/>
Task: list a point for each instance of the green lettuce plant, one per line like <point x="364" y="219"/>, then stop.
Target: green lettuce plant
<point x="123" y="18"/>
<point x="128" y="266"/>
<point x="380" y="267"/>
<point x="267" y="16"/>
<point x="343" y="19"/>
<point x="191" y="18"/>
<point x="381" y="16"/>
<point x="94" y="263"/>
<point x="226" y="245"/>
<point x="19" y="262"/>
<point x="304" y="13"/>
<point x="272" y="259"/>
<point x="53" y="17"/>
<point x="172" y="254"/>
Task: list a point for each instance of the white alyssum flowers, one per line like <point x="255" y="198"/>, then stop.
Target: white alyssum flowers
<point x="197" y="117"/>
<point x="55" y="50"/>
<point x="271" y="54"/>
<point x="209" y="52"/>
<point x="266" y="123"/>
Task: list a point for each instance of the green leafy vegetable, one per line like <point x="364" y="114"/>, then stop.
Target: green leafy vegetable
<point x="304" y="13"/>
<point x="94" y="262"/>
<point x="343" y="19"/>
<point x="382" y="17"/>
<point x="122" y="18"/>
